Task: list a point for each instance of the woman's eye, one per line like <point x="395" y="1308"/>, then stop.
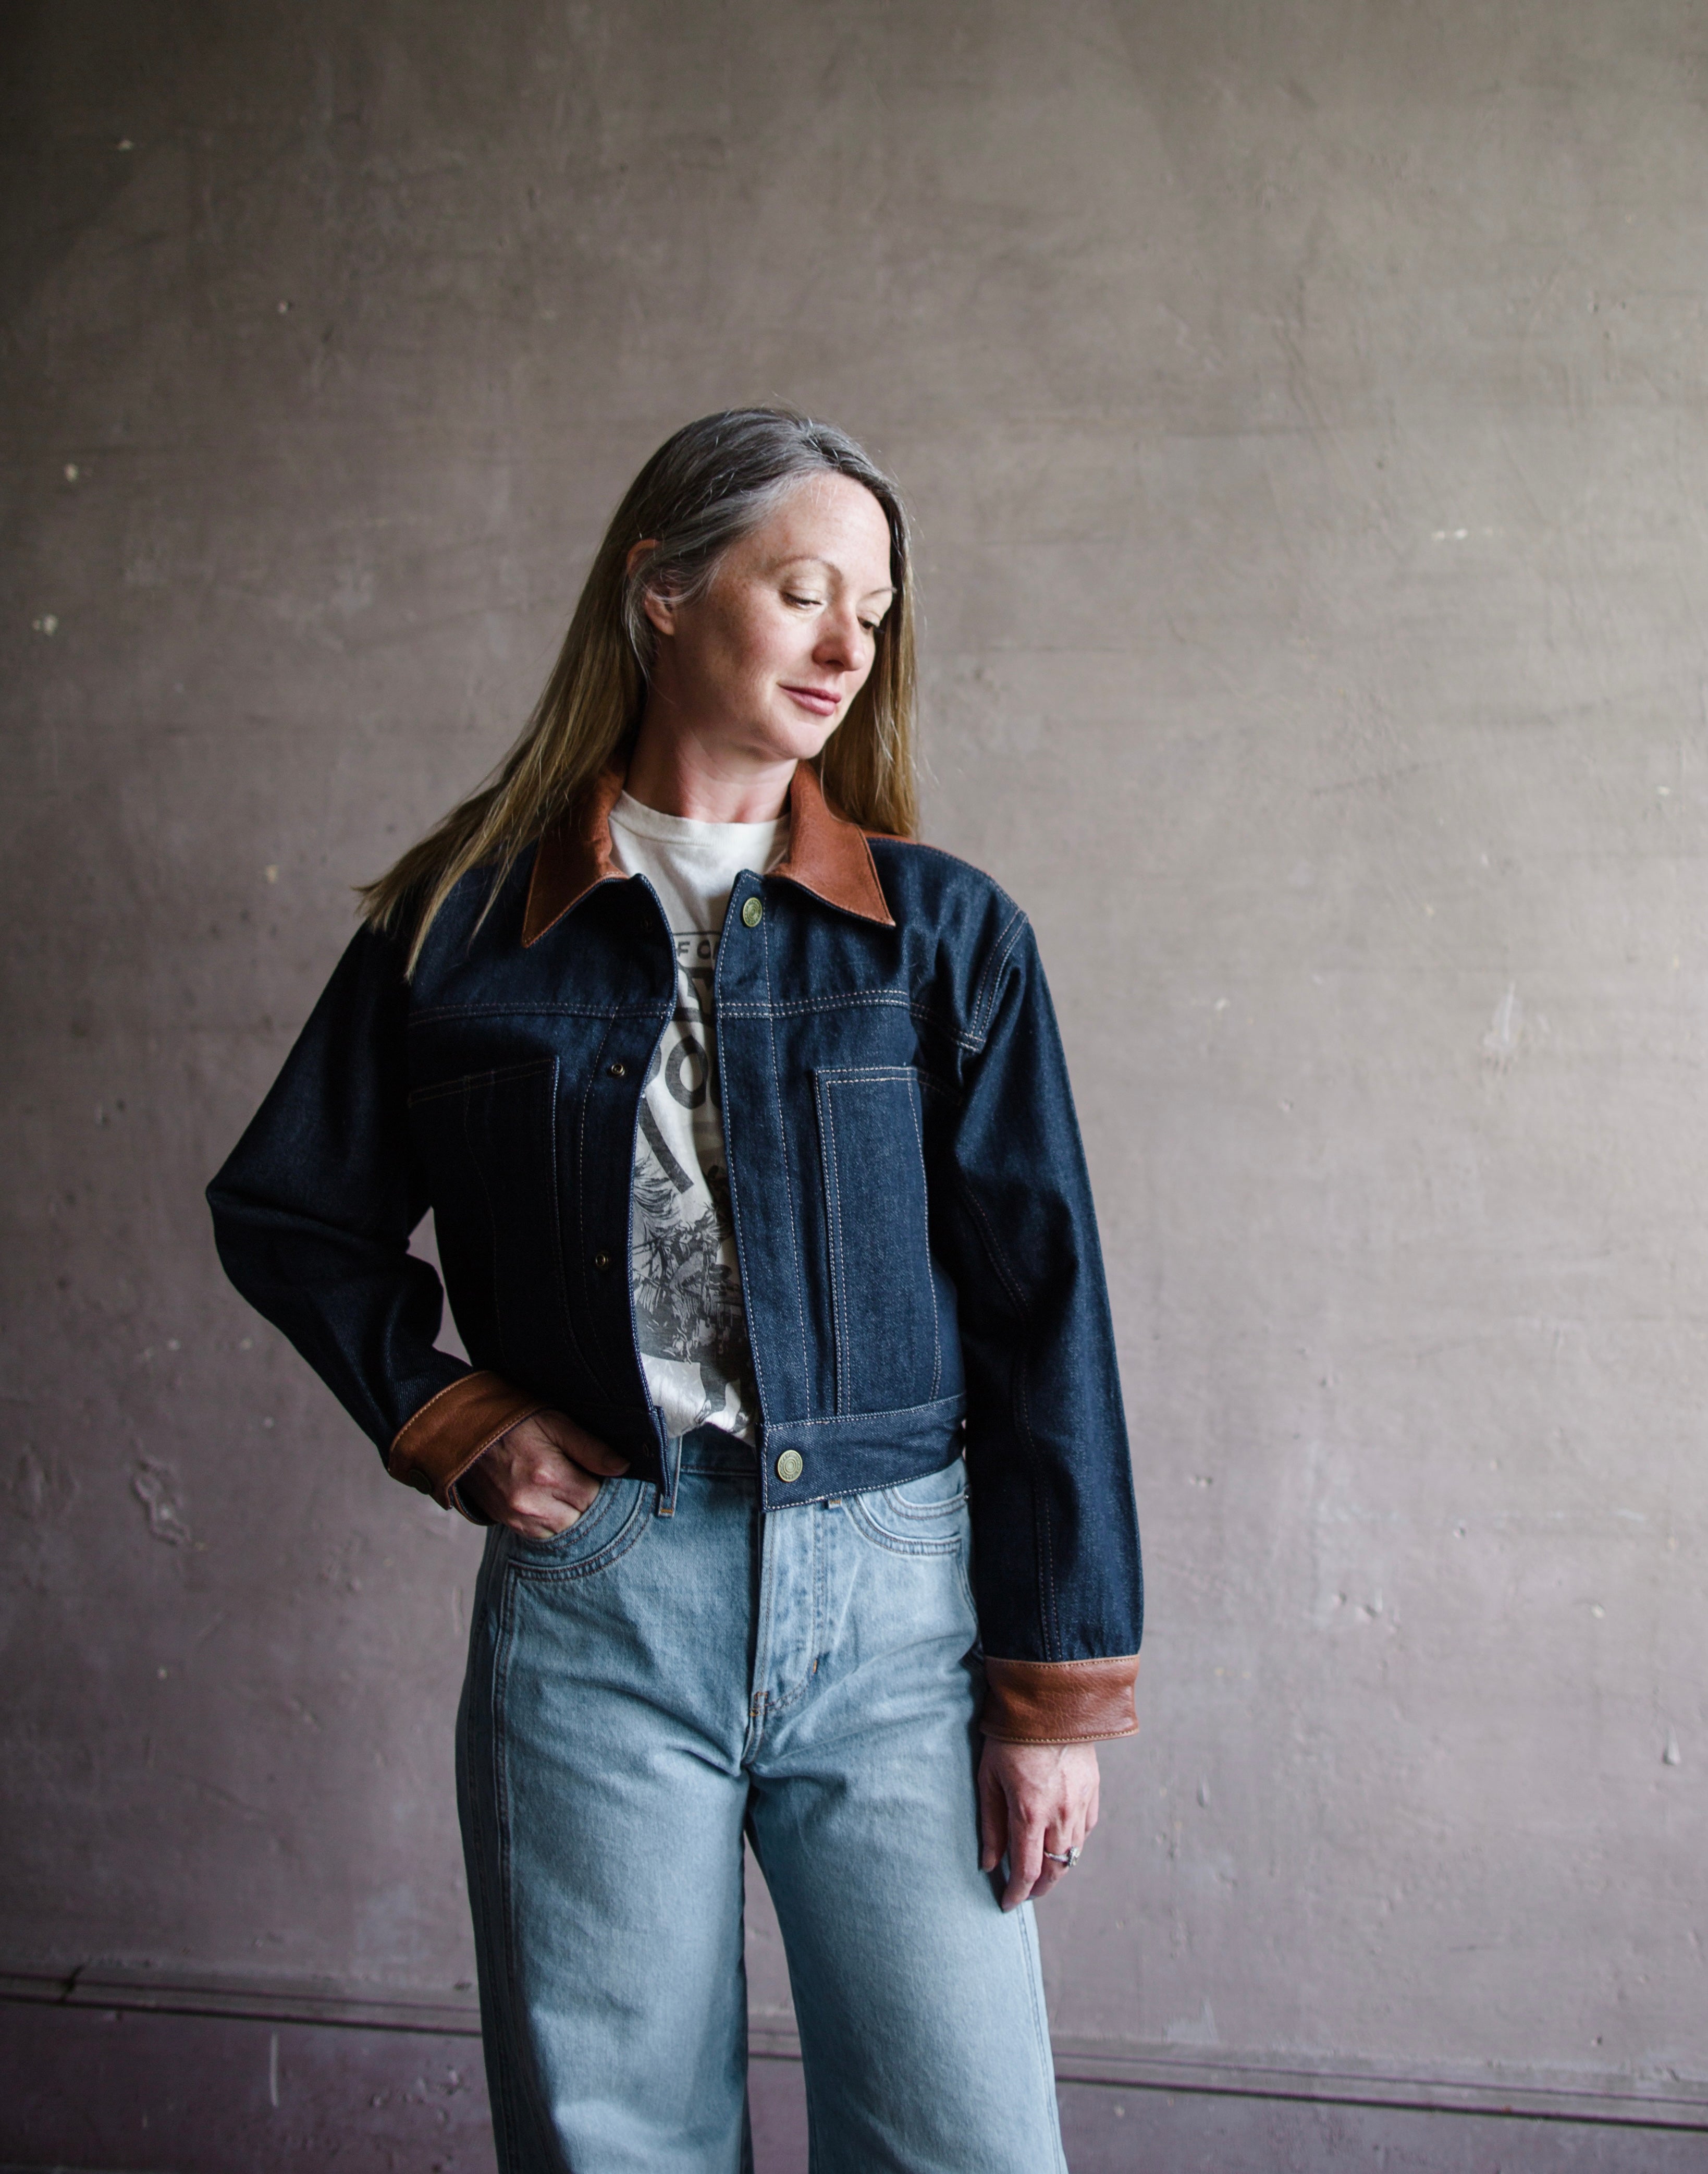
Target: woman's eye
<point x="788" y="598"/>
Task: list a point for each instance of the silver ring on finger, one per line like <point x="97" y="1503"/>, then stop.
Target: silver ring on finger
<point x="1067" y="1858"/>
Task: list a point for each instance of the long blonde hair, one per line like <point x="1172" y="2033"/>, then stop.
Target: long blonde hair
<point x="709" y="484"/>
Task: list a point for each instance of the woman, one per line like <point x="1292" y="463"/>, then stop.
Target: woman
<point x="763" y="1215"/>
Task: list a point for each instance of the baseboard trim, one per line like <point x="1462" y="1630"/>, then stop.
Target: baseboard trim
<point x="1530" y="2094"/>
<point x="1671" y="2103"/>
<point x="316" y="2001"/>
<point x="1668" y="2102"/>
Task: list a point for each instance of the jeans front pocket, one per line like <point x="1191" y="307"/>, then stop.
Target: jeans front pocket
<point x="926" y="1516"/>
<point x="610" y="1525"/>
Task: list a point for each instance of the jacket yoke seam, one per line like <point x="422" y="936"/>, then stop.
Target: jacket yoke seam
<point x="798" y="1006"/>
<point x="438" y="1015"/>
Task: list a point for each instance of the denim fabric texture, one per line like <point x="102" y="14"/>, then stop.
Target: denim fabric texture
<point x="645" y="1687"/>
<point x="918" y="1252"/>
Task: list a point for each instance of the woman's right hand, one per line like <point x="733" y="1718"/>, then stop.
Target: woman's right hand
<point x="540" y="1478"/>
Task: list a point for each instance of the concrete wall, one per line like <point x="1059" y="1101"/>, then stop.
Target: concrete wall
<point x="1303" y="410"/>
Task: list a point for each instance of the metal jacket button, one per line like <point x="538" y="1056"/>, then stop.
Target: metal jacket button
<point x="753" y="913"/>
<point x="789" y="1463"/>
<point x="619" y="1070"/>
<point x="602" y="1262"/>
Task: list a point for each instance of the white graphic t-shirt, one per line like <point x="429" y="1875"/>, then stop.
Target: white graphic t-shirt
<point x="688" y="1308"/>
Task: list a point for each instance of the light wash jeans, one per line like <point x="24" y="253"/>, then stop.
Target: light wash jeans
<point x="644" y="1687"/>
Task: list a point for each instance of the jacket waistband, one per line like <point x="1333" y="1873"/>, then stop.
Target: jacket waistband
<point x="715" y="1449"/>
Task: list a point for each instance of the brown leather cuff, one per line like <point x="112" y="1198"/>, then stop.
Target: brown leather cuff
<point x="432" y="1450"/>
<point x="1059" y="1701"/>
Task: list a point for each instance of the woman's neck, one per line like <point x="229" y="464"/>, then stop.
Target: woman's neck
<point x="680" y="774"/>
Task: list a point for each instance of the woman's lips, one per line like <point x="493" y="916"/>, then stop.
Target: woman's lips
<point x="820" y="700"/>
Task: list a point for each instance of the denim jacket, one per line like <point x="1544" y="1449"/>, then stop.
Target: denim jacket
<point x="918" y="1255"/>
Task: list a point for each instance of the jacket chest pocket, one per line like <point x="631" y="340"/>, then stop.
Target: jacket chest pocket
<point x="489" y="1144"/>
<point x="888" y="1338"/>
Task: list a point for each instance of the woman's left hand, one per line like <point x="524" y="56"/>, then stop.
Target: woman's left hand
<point x="1034" y="1797"/>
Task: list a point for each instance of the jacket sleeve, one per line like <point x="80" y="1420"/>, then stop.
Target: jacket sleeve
<point x="1056" y="1559"/>
<point x="312" y="1214"/>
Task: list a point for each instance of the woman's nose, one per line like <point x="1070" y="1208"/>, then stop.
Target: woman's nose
<point x="839" y="639"/>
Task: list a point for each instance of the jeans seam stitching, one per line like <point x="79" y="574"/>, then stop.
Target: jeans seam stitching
<point x="519" y="2070"/>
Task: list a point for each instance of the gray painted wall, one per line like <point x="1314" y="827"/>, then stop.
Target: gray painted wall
<point x="1303" y="409"/>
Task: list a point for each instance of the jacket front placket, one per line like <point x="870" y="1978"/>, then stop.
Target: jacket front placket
<point x="762" y="1173"/>
<point x="597" y="1124"/>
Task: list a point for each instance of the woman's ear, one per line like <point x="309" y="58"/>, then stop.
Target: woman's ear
<point x="658" y="604"/>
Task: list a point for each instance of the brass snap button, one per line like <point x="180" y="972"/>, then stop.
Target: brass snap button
<point x="753" y="913"/>
<point x="602" y="1262"/>
<point x="789" y="1466"/>
<point x="619" y="1070"/>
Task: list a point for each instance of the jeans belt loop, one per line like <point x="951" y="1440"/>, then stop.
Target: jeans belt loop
<point x="672" y="1463"/>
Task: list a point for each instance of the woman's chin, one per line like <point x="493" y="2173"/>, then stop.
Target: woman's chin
<point x="798" y="735"/>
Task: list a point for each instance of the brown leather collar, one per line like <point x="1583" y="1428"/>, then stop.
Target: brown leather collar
<point x="828" y="855"/>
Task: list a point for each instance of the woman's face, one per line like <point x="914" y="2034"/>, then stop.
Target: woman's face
<point x="765" y="662"/>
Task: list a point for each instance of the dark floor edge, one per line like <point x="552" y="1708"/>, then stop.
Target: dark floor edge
<point x="1669" y="2103"/>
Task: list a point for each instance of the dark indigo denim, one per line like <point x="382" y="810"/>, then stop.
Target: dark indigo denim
<point x="918" y="1252"/>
